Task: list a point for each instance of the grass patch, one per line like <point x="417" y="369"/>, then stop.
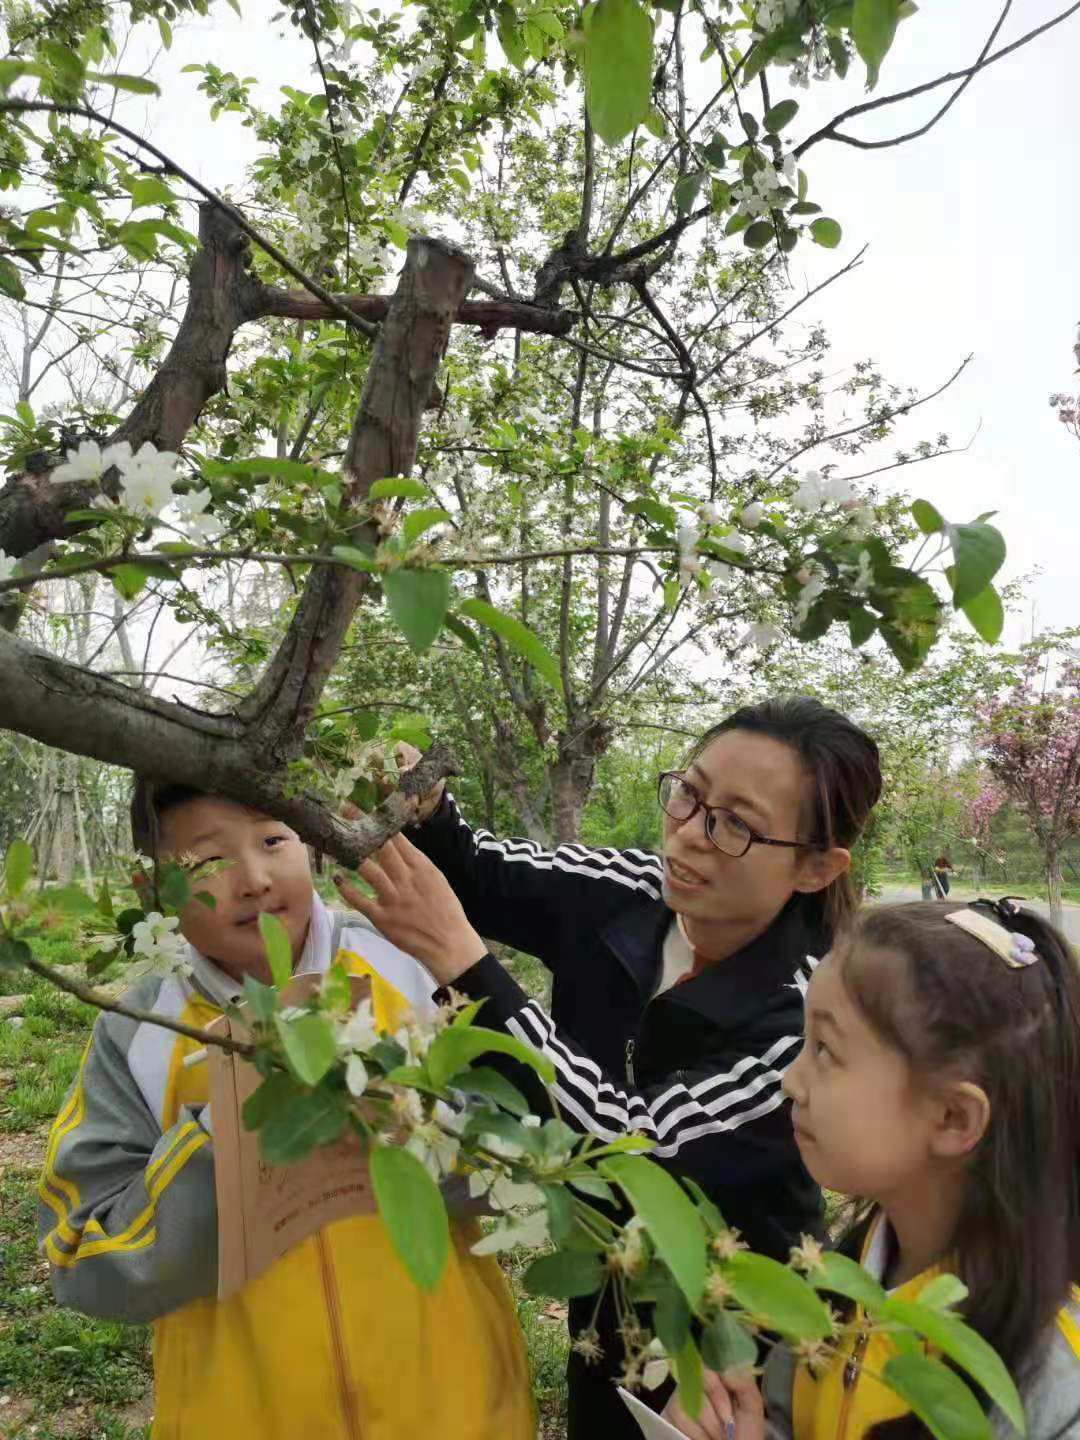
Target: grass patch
<point x="543" y="1324"/>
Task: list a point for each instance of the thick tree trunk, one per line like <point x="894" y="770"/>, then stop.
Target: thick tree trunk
<point x="571" y="774"/>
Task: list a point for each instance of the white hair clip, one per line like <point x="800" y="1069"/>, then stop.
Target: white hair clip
<point x="1018" y="951"/>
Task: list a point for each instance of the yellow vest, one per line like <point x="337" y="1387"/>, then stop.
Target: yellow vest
<point x="335" y="1342"/>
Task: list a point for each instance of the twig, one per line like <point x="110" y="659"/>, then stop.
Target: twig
<point x="100" y="1001"/>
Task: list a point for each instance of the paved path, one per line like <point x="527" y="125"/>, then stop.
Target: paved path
<point x="912" y="892"/>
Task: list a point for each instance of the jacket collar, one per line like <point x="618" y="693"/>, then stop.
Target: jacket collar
<point x="767" y="962"/>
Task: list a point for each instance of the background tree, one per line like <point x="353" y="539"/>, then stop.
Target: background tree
<point x="1031" y="742"/>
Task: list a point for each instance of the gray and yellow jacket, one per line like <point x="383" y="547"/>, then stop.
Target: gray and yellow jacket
<point x="334" y="1340"/>
<point x="844" y="1401"/>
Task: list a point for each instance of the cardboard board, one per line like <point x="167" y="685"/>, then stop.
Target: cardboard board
<point x="264" y="1210"/>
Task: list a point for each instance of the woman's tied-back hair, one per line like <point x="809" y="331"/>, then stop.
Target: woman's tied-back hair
<point x="843" y="766"/>
<point x="952" y="1007"/>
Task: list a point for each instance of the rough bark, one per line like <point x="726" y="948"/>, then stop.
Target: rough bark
<point x="571" y="774"/>
<point x="489" y="316"/>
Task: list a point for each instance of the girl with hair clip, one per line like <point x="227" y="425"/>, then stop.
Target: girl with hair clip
<point x="940" y="1083"/>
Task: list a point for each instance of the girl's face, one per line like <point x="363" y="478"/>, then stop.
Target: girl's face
<point x="862" y="1125"/>
<point x="763" y="782"/>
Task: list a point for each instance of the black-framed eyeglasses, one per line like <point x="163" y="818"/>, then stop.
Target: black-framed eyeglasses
<point x="728" y="832"/>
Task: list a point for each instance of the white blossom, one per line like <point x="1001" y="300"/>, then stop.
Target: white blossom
<point x="689" y="566"/>
<point x="751" y="516"/>
<point x="163" y="951"/>
<point x="838" y="490"/>
<point x="507" y="1195"/>
<point x="686" y="537"/>
<point x="504" y="1149"/>
<point x="7" y="565"/>
<point x="799" y="74"/>
<point x="628" y="1252"/>
<point x="710" y="514"/>
<point x="812" y="587"/>
<point x="657" y="1367"/>
<point x="862" y="520"/>
<point x="762" y="635"/>
<point x="147" y="480"/>
<point x="436" y="1151"/>
<point x="90" y="461"/>
<point x="790" y="170"/>
<point x="356" y="1075"/>
<point x="734" y="541"/>
<point x="193" y="512"/>
<point x="718" y="571"/>
<point x="810" y="494"/>
<point x="306" y="150"/>
<point x="408" y="1107"/>
<point x="530" y="1231"/>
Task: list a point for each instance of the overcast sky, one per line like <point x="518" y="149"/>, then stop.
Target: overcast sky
<point x="973" y="236"/>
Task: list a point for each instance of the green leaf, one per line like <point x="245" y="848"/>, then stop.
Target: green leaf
<point x="655" y="123"/>
<point x="492" y="1085"/>
<point x="261" y="1000"/>
<point x="335" y="992"/>
<point x="149" y="190"/>
<point x="938" y="1397"/>
<point x="263" y="465"/>
<point x="413" y="1212"/>
<point x="780" y="115"/>
<point x="309" y="1045"/>
<point x="104" y="902"/>
<point x="415" y="524"/>
<point x="986" y="614"/>
<point x="689" y="1378"/>
<point x="298" y="1122"/>
<point x="826" y="232"/>
<point x="18" y="867"/>
<point x="617" y="63"/>
<point x="965" y="1348"/>
<point x="418" y="601"/>
<point x="926" y="517"/>
<point x="133" y="84"/>
<point x="594" y="1187"/>
<point x="943" y="1292"/>
<point x="174" y="892"/>
<point x="715" y="152"/>
<point x="686" y="190"/>
<point x="669" y="1216"/>
<point x="671" y="1318"/>
<point x="518" y="636"/>
<point x="739" y="221"/>
<point x="708" y="1209"/>
<point x="727" y="1345"/>
<point x="565" y="1275"/>
<point x="454" y="1048"/>
<point x="349" y="555"/>
<point x="463" y="632"/>
<point x="277" y="1091"/>
<point x="549" y="23"/>
<point x="783" y="1299"/>
<point x="278" y="948"/>
<point x="758" y="235"/>
<point x="861" y="625"/>
<point x="978" y="554"/>
<point x="11" y="281"/>
<point x="873" y="27"/>
<point x="560" y="1210"/>
<point x="398" y="485"/>
<point x="840" y="1275"/>
<point x="165" y="31"/>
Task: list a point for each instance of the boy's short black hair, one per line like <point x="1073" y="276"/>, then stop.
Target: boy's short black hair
<point x="150" y="803"/>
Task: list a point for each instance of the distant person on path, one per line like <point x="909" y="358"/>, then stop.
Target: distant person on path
<point x="942" y="870"/>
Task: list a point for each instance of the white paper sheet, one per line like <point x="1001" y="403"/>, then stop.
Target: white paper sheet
<point x="653" y="1426"/>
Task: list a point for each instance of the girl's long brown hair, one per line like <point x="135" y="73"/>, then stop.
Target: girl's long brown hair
<point x="952" y="1007"/>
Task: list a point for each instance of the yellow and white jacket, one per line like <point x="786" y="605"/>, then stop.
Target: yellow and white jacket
<point x="846" y="1400"/>
<point x="334" y="1341"/>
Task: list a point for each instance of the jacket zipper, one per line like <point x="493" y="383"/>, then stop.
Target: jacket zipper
<point x="852" y="1366"/>
<point x="630" y="1047"/>
<point x="341" y="1364"/>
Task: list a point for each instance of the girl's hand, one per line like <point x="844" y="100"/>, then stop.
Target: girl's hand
<point x="731" y="1409"/>
<point x="416" y="910"/>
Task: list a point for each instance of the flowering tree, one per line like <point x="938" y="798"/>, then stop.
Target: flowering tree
<point x="1068" y="406"/>
<point x="1031" y="743"/>
<point x="287" y="403"/>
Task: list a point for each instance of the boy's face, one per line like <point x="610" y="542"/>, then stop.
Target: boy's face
<point x="267" y="869"/>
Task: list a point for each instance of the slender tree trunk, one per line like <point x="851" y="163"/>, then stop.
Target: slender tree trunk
<point x="84" y="849"/>
<point x="65" y="820"/>
<point x="1053" y="884"/>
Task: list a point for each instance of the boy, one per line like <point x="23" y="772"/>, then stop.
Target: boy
<point x="334" y="1340"/>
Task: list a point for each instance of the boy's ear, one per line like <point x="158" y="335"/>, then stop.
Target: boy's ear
<point x="819" y="868"/>
<point x="961" y="1120"/>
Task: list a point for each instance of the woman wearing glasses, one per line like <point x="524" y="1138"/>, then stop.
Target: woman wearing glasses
<point x="678" y="979"/>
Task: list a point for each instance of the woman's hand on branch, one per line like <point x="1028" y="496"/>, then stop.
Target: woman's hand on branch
<point x="731" y="1409"/>
<point x="415" y="908"/>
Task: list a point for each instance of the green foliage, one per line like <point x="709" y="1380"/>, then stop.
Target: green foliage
<point x="617" y="66"/>
<point x="788" y="1303"/>
<point x="412" y="1211"/>
<point x="418" y="600"/>
<point x="278" y="948"/>
<point x="673" y="1223"/>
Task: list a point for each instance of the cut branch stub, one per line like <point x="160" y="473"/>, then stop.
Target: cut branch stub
<point x="436" y="278"/>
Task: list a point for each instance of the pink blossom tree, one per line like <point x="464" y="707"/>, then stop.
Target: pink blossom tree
<point x="1068" y="406"/>
<point x="1031" y="743"/>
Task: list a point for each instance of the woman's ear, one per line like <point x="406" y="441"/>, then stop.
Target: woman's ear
<point x="819" y="868"/>
<point x="961" y="1119"/>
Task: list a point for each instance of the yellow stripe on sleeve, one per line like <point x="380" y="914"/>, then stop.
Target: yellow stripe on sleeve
<point x="1069" y="1328"/>
<point x="51" y="1185"/>
<point x="158" y="1177"/>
